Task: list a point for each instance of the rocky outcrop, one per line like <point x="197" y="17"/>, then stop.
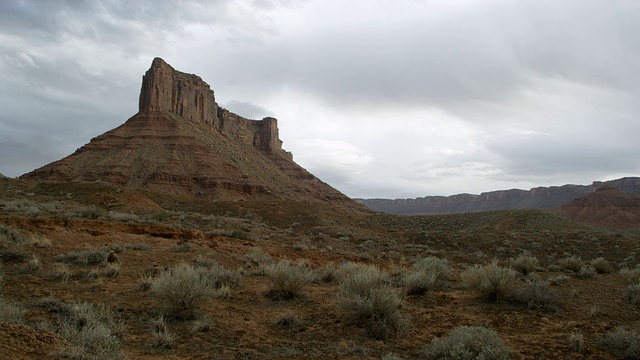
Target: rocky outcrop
<point x="165" y="89"/>
<point x="536" y="198"/>
<point x="182" y="143"/>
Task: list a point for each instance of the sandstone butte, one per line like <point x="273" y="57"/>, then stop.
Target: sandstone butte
<point x="182" y="143"/>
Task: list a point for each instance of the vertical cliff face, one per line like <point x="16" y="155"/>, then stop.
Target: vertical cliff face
<point x="186" y="95"/>
<point x="165" y="89"/>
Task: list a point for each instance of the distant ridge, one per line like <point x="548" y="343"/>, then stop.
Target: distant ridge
<point x="182" y="143"/>
<point x="536" y="198"/>
<point x="606" y="207"/>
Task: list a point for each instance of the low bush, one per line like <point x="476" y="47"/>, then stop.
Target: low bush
<point x="11" y="312"/>
<point x="183" y="289"/>
<point x="61" y="273"/>
<point x="436" y="266"/>
<point x="468" y="343"/>
<point x="632" y="292"/>
<point x="370" y="301"/>
<point x="622" y="343"/>
<point x="138" y="247"/>
<point x="491" y="281"/>
<point x="85" y="258"/>
<point x="524" y="264"/>
<point x="631" y="275"/>
<point x="575" y="341"/>
<point x="162" y="338"/>
<point x="601" y="266"/>
<point x="93" y="331"/>
<point x="287" y="280"/>
<point x="11" y="235"/>
<point x="419" y="282"/>
<point x="537" y="294"/>
<point x="571" y="263"/>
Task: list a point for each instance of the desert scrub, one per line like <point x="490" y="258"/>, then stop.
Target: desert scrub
<point x="11" y="235"/>
<point x="632" y="293"/>
<point x="369" y="301"/>
<point x="287" y="280"/>
<point x="537" y="294"/>
<point x="601" y="266"/>
<point x="491" y="281"/>
<point x="524" y="264"/>
<point x="11" y="312"/>
<point x="87" y="257"/>
<point x="575" y="342"/>
<point x="162" y="338"/>
<point x="32" y="265"/>
<point x="631" y="275"/>
<point x="184" y="288"/>
<point x="571" y="263"/>
<point x="326" y="274"/>
<point x="90" y="212"/>
<point x="468" y="343"/>
<point x="435" y="266"/>
<point x="622" y="343"/>
<point x="93" y="331"/>
<point x="137" y="247"/>
<point x="183" y="246"/>
<point x="419" y="282"/>
<point x="61" y="272"/>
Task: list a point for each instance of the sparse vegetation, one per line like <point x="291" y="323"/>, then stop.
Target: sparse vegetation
<point x="491" y="281"/>
<point x="138" y="247"/>
<point x="88" y="257"/>
<point x="601" y="265"/>
<point x="162" y="338"/>
<point x="11" y="312"/>
<point x="631" y="275"/>
<point x="468" y="343"/>
<point x="622" y="343"/>
<point x="419" y="282"/>
<point x="370" y="301"/>
<point x="524" y="264"/>
<point x="571" y="263"/>
<point x="575" y="341"/>
<point x="537" y="294"/>
<point x="287" y="280"/>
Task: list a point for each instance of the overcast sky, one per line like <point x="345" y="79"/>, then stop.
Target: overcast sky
<point x="386" y="98"/>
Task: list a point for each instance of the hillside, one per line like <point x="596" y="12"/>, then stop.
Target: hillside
<point x="536" y="198"/>
<point x="606" y="207"/>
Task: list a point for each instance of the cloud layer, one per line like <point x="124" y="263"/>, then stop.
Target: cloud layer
<point x="379" y="99"/>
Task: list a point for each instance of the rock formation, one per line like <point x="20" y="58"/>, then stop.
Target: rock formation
<point x="182" y="143"/>
<point x="536" y="198"/>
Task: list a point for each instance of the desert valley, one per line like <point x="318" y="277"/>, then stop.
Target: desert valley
<point x="189" y="233"/>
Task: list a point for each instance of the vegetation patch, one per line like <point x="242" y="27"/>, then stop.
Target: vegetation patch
<point x="491" y="281"/>
<point x="468" y="343"/>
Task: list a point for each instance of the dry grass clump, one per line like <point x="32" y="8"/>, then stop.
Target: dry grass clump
<point x="256" y="257"/>
<point x="137" y="247"/>
<point x="32" y="265"/>
<point x="601" y="265"/>
<point x="428" y="273"/>
<point x="524" y="264"/>
<point x="162" y="338"/>
<point x="11" y="235"/>
<point x="622" y="343"/>
<point x="631" y="275"/>
<point x="183" y="289"/>
<point x="537" y="294"/>
<point x="11" y="312"/>
<point x="287" y="280"/>
<point x="61" y="273"/>
<point x="93" y="331"/>
<point x="632" y="292"/>
<point x="111" y="270"/>
<point x="575" y="341"/>
<point x="327" y="273"/>
<point x="571" y="263"/>
<point x="183" y="246"/>
<point x="370" y="301"/>
<point x="468" y="343"/>
<point x="491" y="281"/>
<point x="39" y="241"/>
<point x="87" y="257"/>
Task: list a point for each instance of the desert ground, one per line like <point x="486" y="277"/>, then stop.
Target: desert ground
<point x="83" y="264"/>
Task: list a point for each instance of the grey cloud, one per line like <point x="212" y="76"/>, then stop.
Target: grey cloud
<point x="247" y="109"/>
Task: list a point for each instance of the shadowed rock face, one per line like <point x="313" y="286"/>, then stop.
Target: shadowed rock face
<point x="182" y="143"/>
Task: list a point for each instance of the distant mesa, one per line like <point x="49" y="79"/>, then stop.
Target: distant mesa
<point x="536" y="198"/>
<point x="182" y="143"/>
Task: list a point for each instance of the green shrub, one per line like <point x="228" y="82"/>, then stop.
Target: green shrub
<point x="287" y="280"/>
<point x="468" y="343"/>
<point x="601" y="266"/>
<point x="491" y="281"/>
<point x="524" y="264"/>
<point x="622" y="343"/>
<point x="370" y="301"/>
